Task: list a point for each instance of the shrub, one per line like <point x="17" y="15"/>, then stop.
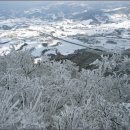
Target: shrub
<point x="55" y="95"/>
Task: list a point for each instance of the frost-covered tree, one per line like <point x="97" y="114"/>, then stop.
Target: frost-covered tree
<point x="55" y="95"/>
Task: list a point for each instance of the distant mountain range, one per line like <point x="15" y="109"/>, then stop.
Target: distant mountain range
<point x="52" y="11"/>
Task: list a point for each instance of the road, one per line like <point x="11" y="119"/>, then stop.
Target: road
<point x="89" y="49"/>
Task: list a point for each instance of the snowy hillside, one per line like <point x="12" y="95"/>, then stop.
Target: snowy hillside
<point x="54" y="95"/>
<point x="65" y="65"/>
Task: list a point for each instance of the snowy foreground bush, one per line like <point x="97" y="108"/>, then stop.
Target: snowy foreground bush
<point x="56" y="96"/>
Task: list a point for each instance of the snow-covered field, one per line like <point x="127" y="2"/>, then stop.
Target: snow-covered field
<point x="32" y="32"/>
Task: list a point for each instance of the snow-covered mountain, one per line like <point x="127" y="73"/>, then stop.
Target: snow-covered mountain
<point x="63" y="27"/>
<point x="87" y="89"/>
<point x="68" y="10"/>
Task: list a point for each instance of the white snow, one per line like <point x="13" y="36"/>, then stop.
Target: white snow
<point x="66" y="29"/>
<point x="115" y="9"/>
